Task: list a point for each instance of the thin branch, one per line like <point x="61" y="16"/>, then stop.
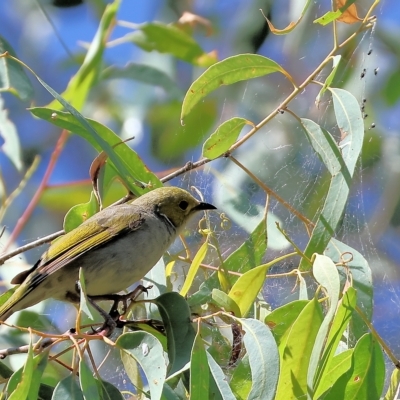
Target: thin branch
<point x="273" y="194"/>
<point x="29" y="246"/>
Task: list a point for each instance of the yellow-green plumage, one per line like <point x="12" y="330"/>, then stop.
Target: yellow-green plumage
<point x="116" y="248"/>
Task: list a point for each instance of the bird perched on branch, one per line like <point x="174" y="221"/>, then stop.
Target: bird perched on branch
<point x="115" y="248"/>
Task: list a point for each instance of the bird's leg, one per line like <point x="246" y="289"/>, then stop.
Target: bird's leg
<point x="122" y="298"/>
<point x="109" y="323"/>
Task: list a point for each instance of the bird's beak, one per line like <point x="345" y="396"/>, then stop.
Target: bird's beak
<point x="204" y="206"/>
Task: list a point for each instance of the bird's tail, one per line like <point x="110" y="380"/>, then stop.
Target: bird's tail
<point x="6" y="310"/>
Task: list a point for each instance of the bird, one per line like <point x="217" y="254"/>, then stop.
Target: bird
<point x="115" y="248"/>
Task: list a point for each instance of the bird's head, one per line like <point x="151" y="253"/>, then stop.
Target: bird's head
<point x="175" y="204"/>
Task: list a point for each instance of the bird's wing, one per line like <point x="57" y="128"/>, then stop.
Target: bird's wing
<point x="96" y="231"/>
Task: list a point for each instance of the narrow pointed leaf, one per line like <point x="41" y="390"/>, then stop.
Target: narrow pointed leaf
<point x="350" y="123"/>
<point x="80" y="84"/>
<point x="126" y="161"/>
<point x="226" y="72"/>
<point x="194" y="267"/>
<point x="362" y="281"/>
<point x="295" y="349"/>
<point x="13" y="78"/>
<point x="224" y="137"/>
<point x="225" y="391"/>
<point x="263" y="358"/>
<point x="176" y="317"/>
<point x="199" y="372"/>
<point x="326" y="274"/>
<point x="246" y="288"/>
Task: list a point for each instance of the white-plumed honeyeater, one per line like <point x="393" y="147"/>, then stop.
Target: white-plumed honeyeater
<point x="115" y="248"/>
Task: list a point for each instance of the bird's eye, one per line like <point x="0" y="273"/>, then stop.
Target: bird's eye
<point x="183" y="205"/>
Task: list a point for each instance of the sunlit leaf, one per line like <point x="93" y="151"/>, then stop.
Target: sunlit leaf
<point x="194" y="267"/>
<point x="130" y="167"/>
<point x="345" y="11"/>
<point x="224" y="137"/>
<point x="295" y="350"/>
<point x="247" y="287"/>
<point x="80" y="84"/>
<point x="327" y="275"/>
<point x="80" y="213"/>
<point x="226" y="72"/>
<point x="330" y="369"/>
<point x="328" y="81"/>
<point x="366" y="378"/>
<point x="393" y="386"/>
<point x="281" y="319"/>
<point x="225" y="302"/>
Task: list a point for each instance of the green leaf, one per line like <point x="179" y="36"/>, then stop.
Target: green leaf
<point x="80" y="84"/>
<point x="224" y="137"/>
<point x="245" y="290"/>
<point x="27" y="380"/>
<point x="333" y="15"/>
<point x="251" y="252"/>
<point x="194" y="267"/>
<point x="224" y="301"/>
<point x="199" y="372"/>
<point x="338" y="366"/>
<point x="11" y="146"/>
<point x="84" y="305"/>
<point x="68" y="389"/>
<point x="170" y="39"/>
<point x="241" y="379"/>
<point x="263" y="358"/>
<point x="295" y="350"/>
<point x="324" y="145"/>
<point x="328" y="371"/>
<point x="393" y="386"/>
<point x="132" y="369"/>
<point x="110" y="392"/>
<point x="326" y="274"/>
<point x="282" y="319"/>
<point x="220" y="379"/>
<point x="362" y="281"/>
<point x="148" y="352"/>
<point x="89" y="385"/>
<point x="130" y="167"/>
<point x="366" y="378"/>
<point x="226" y="72"/>
<point x="144" y="74"/>
<point x="13" y="78"/>
<point x="176" y="317"/>
<point x="350" y="122"/>
<point x="80" y="213"/>
<point x="328" y="81"/>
